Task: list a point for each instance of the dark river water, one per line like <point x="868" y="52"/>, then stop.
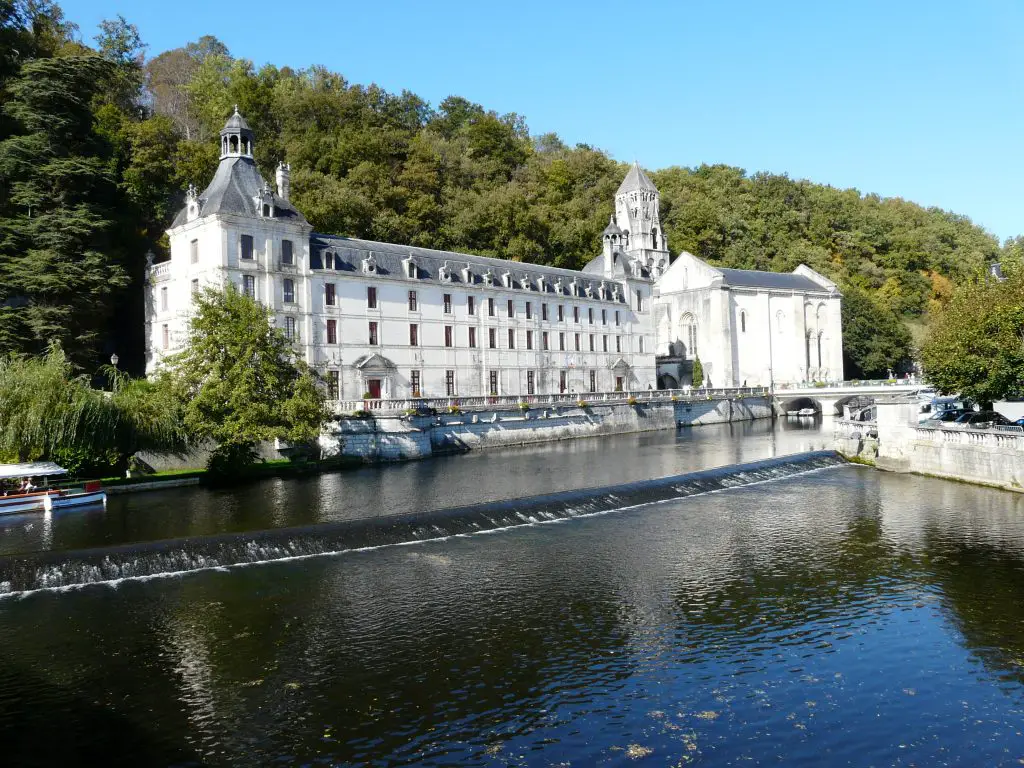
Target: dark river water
<point x="840" y="616"/>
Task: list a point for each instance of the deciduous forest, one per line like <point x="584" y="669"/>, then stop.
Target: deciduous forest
<point x="99" y="138"/>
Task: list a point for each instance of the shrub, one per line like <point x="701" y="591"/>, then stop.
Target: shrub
<point x="632" y="400"/>
<point x="361" y="414"/>
<point x="581" y="403"/>
<point x="524" y="406"/>
<point x="366" y="395"/>
<point x="454" y="410"/>
<point x="410" y="411"/>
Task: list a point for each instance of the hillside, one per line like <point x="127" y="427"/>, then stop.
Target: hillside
<point x="369" y="163"/>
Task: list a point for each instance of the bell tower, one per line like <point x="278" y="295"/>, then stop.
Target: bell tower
<point x="637" y="204"/>
<point x="236" y="137"/>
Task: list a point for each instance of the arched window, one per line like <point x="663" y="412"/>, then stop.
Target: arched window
<point x="688" y="335"/>
<point x="807" y="348"/>
<point x="654" y="239"/>
<point x="820" y="335"/>
<point x="743" y="321"/>
<point x="233" y="143"/>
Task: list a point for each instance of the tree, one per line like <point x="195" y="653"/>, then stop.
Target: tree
<point x="48" y="410"/>
<point x="875" y="340"/>
<point x="697" y="377"/>
<point x="976" y="345"/>
<point x="57" y="270"/>
<point x="239" y="382"/>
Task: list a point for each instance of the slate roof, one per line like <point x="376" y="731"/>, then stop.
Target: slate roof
<point x="636" y="179"/>
<point x="236" y="124"/>
<point x="232" y="190"/>
<point x="347" y="254"/>
<point x="786" y="281"/>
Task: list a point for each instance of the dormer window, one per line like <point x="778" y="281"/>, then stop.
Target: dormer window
<point x="558" y="286"/>
<point x="444" y="273"/>
<point x="506" y="280"/>
<point x="602" y="291"/>
<point x="489" y="278"/>
<point x="589" y="290"/>
<point x="369" y="265"/>
<point x="411" y="268"/>
<point x="192" y="203"/>
<point x="467" y="275"/>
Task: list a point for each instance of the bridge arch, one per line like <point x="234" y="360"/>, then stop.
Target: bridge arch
<point x="794" y="404"/>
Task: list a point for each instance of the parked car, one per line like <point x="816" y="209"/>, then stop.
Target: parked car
<point x="981" y="419"/>
<point x="943" y="417"/>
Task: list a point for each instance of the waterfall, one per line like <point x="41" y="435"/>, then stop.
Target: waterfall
<point x="45" y="570"/>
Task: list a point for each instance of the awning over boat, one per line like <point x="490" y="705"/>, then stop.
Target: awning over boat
<point x="32" y="469"/>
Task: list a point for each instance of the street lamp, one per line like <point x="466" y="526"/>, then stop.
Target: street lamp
<point x="113" y="359"/>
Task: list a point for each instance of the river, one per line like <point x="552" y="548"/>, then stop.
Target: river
<point x="834" y="616"/>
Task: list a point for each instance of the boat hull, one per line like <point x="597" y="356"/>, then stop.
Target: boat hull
<point x="63" y="501"/>
<point x="16" y="505"/>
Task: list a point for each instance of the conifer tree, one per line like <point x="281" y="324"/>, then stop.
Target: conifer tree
<point x="57" y="273"/>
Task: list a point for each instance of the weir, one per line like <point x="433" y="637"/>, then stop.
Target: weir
<point x="49" y="570"/>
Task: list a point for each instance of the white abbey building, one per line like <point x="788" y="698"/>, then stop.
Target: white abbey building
<point x="397" y="321"/>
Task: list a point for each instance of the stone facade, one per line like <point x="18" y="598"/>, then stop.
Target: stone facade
<point x="395" y="321"/>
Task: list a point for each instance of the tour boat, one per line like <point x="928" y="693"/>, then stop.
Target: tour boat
<point x="806" y="412"/>
<point x="45" y="499"/>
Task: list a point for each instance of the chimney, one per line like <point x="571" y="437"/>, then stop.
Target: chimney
<point x="995" y="271"/>
<point x="284" y="180"/>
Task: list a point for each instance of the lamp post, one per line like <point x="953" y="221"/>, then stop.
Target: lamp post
<point x="113" y="359"/>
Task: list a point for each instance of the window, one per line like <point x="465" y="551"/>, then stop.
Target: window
<point x="561" y="341"/>
<point x="530" y="389"/>
<point x="414" y="383"/>
<point x="641" y="340"/>
<point x="245" y="247"/>
<point x="604" y="317"/>
<point x="470" y="305"/>
<point x="449" y="383"/>
<point x="529" y="311"/>
<point x="414" y="335"/>
<point x="490" y="307"/>
<point x="165" y="331"/>
<point x="472" y="338"/>
<point x="575" y="314"/>
<point x="604" y="343"/>
<point x="618" y="343"/>
<point x="511" y="338"/>
<point x="563" y="381"/>
<point x="449" y="334"/>
<point x="332" y="331"/>
<point x="577" y="342"/>
<point x="593" y="381"/>
<point x="195" y="286"/>
<point x="287" y="254"/>
<point x="289" y="291"/>
<point x="371" y="297"/>
<point x="447" y="303"/>
<point x="289" y="328"/>
<point x="780" y="319"/>
<point x="249" y="286"/>
<point x="543" y="311"/>
<point x="590" y="315"/>
<point x="511" y="309"/>
<point x="616" y="317"/>
<point x="492" y="338"/>
<point x="743" y="321"/>
<point x="591" y="342"/>
<point x="493" y="383"/>
<point x="561" y="313"/>
<point x="639" y="301"/>
<point x="544" y="341"/>
<point x="163" y="298"/>
<point x="373" y="334"/>
<point x="333" y="385"/>
<point x="194" y="251"/>
<point x="329" y="294"/>
<point x="412" y="301"/>
<point x="529" y="339"/>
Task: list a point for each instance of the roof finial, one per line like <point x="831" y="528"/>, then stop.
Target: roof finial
<point x="236" y="109"/>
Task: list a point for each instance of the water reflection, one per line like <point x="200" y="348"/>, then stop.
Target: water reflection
<point x="410" y="487"/>
<point x="842" y="617"/>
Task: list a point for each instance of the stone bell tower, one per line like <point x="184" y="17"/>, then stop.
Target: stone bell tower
<point x="637" y="204"/>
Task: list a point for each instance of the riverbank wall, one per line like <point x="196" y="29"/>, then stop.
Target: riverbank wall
<point x="402" y="438"/>
<point x="897" y="443"/>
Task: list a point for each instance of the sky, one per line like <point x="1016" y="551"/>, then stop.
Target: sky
<point x="912" y="99"/>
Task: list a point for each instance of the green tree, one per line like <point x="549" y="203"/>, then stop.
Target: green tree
<point x="875" y="340"/>
<point x="976" y="345"/>
<point x="57" y="268"/>
<point x="697" y="377"/>
<point x="239" y="382"/>
<point x="48" y="410"/>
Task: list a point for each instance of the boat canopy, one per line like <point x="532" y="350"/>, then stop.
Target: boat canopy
<point x="31" y="469"/>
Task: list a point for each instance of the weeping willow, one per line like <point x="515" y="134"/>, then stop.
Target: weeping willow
<point x="46" y="408"/>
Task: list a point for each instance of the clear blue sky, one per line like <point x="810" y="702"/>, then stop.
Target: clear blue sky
<point x="920" y="100"/>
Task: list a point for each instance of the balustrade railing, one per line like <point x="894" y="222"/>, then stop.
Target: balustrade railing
<point x="488" y="402"/>
<point x="160" y="271"/>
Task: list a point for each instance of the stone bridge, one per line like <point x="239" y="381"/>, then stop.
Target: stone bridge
<point x="830" y="398"/>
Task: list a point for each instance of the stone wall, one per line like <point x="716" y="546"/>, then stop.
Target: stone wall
<point x="986" y="456"/>
<point x="395" y="438"/>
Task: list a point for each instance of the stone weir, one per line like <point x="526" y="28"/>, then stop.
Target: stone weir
<point x="54" y="570"/>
